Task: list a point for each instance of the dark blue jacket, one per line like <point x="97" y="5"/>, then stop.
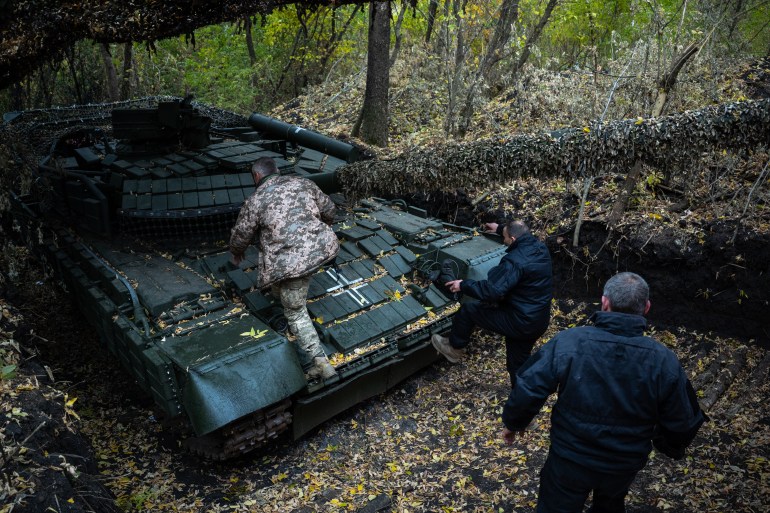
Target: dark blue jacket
<point x="522" y="283"/>
<point x="617" y="391"/>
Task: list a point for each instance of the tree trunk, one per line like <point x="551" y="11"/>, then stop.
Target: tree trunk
<point x="17" y="96"/>
<point x="295" y="45"/>
<point x="111" y="74"/>
<point x="509" y="11"/>
<point x="454" y="80"/>
<point x="335" y="39"/>
<point x="443" y="44"/>
<point x="432" y="8"/>
<point x="71" y="59"/>
<point x="250" y="40"/>
<point x="300" y="75"/>
<point x="736" y="18"/>
<point x="665" y="86"/>
<point x="532" y="39"/>
<point x="397" y="30"/>
<point x="374" y="122"/>
<point x="128" y="64"/>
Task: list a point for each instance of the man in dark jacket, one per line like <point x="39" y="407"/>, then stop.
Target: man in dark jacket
<point x="620" y="392"/>
<point x="292" y="218"/>
<point x="514" y="300"/>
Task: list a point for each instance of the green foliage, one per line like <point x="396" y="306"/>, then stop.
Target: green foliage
<point x="75" y="77"/>
<point x="654" y="178"/>
<point x="8" y="372"/>
<point x="9" y="350"/>
<point x="215" y="70"/>
<point x="586" y="30"/>
<point x="754" y="28"/>
<point x="138" y="501"/>
<point x="293" y="47"/>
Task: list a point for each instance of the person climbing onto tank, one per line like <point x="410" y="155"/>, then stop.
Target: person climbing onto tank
<point x="514" y="300"/>
<point x="292" y="218"/>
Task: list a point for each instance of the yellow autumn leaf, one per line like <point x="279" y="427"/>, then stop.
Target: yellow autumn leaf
<point x="639" y="121"/>
<point x="71" y="402"/>
<point x="586" y="129"/>
<point x="71" y="500"/>
<point x="254" y="333"/>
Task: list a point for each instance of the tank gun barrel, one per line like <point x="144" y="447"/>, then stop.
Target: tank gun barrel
<point x="314" y="140"/>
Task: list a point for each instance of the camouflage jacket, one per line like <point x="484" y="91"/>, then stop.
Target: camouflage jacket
<point x="292" y="217"/>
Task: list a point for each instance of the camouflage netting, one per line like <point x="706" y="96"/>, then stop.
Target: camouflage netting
<point x="673" y="143"/>
<point x="27" y="138"/>
<point x="32" y="31"/>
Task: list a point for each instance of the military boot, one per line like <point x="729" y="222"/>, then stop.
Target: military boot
<point x="443" y="346"/>
<point x="321" y="368"/>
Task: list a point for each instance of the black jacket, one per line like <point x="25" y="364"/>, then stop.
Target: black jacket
<point x="522" y="283"/>
<point x="617" y="391"/>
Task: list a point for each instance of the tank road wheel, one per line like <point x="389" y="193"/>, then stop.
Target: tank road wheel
<point x="243" y="435"/>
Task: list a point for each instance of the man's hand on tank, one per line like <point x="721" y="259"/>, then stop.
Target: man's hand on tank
<point x="236" y="259"/>
<point x="454" y="285"/>
<point x="490" y="227"/>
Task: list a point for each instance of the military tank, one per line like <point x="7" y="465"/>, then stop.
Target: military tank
<point x="132" y="207"/>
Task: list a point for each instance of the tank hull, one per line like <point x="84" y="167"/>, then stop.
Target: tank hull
<point x="138" y="237"/>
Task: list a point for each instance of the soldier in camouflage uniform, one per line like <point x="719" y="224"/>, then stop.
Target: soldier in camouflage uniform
<point x="292" y="217"/>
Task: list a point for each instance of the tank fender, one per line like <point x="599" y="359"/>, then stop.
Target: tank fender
<point x="226" y="373"/>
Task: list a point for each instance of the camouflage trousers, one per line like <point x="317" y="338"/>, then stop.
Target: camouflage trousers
<point x="293" y="296"/>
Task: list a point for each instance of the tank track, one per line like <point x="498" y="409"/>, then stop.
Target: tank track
<point x="243" y="435"/>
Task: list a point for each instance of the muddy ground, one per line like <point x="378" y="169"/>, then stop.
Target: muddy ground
<point x="429" y="445"/>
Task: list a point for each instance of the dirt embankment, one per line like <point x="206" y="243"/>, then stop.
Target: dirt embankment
<point x="46" y="462"/>
<point x="709" y="284"/>
<point x="710" y="276"/>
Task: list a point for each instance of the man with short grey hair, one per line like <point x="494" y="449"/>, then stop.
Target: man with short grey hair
<point x="620" y="393"/>
<point x="628" y="293"/>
